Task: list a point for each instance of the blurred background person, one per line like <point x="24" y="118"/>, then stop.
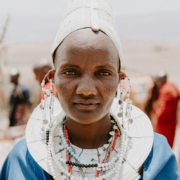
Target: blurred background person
<point x="19" y="101"/>
<point x="162" y="107"/>
<point x="40" y="69"/>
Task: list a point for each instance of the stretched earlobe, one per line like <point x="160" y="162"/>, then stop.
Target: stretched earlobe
<point x="50" y="75"/>
<point x="122" y="75"/>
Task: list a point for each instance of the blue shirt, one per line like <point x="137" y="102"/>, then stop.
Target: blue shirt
<point x="159" y="165"/>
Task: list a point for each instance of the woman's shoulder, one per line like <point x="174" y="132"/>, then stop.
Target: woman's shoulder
<point x="161" y="140"/>
<point x="19" y="164"/>
<point x="161" y="162"/>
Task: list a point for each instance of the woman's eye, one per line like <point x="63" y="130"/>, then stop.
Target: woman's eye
<point x="70" y="73"/>
<point x="104" y="74"/>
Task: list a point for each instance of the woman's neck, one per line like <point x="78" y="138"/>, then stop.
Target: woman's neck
<point x="89" y="136"/>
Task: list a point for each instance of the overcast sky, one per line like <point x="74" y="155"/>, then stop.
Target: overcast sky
<point x="40" y="19"/>
<point x="55" y="7"/>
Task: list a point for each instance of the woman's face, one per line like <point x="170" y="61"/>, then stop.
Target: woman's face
<point x="86" y="76"/>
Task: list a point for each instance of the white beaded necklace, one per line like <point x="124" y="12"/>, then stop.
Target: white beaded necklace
<point x="116" y="167"/>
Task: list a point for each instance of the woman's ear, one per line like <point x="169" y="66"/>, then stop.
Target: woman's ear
<point x="122" y="75"/>
<point x="50" y="75"/>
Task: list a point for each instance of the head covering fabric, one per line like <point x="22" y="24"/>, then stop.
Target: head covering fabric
<point x="14" y="72"/>
<point x="94" y="14"/>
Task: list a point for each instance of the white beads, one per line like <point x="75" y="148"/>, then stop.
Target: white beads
<point x="111" y="168"/>
<point x="112" y="133"/>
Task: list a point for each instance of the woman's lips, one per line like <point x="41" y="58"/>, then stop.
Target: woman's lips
<point x="86" y="104"/>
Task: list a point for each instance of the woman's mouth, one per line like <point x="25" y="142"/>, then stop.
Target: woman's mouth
<point x="86" y="104"/>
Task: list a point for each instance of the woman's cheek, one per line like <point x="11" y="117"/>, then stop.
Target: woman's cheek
<point x="65" y="86"/>
<point x="61" y="85"/>
<point x="110" y="87"/>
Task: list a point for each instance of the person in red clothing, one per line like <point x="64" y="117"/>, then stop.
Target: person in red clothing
<point x="40" y="70"/>
<point x="162" y="107"/>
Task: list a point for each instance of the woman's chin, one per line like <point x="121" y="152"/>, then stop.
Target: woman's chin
<point x="86" y="118"/>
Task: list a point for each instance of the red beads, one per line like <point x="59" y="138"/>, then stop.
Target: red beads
<point x="109" y="152"/>
<point x="68" y="157"/>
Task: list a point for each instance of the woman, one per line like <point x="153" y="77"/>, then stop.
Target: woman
<point x="90" y="134"/>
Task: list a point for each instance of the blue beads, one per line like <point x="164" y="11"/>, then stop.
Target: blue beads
<point x="70" y="150"/>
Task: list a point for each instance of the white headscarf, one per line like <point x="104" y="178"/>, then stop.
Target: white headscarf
<point x="94" y="14"/>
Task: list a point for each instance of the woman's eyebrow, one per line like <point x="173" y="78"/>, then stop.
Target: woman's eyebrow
<point x="69" y="65"/>
<point x="105" y="66"/>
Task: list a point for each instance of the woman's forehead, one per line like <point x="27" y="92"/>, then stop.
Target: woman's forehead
<point x="85" y="41"/>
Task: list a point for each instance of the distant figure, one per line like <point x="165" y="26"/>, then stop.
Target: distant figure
<point x="19" y="101"/>
<point x="40" y="70"/>
<point x="162" y="107"/>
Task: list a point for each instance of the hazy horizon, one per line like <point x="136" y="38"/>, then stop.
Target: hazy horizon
<point x="38" y="20"/>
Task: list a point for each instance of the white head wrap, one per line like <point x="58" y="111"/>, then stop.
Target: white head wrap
<point x="94" y="14"/>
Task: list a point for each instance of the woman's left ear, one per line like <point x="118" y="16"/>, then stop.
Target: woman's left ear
<point x="122" y="75"/>
<point x="50" y="75"/>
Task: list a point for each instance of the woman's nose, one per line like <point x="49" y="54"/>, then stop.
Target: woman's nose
<point x="86" y="87"/>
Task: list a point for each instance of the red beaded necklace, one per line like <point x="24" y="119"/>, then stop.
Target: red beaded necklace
<point x="109" y="152"/>
<point x="68" y="157"/>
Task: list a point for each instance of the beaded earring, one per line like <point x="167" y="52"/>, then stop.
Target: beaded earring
<point x="125" y="103"/>
<point x="47" y="106"/>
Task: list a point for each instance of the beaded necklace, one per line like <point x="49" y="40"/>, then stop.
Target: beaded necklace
<point x="53" y="160"/>
<point x="68" y="157"/>
<point x="102" y="165"/>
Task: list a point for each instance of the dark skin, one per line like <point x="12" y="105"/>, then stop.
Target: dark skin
<point x="14" y="79"/>
<point x="86" y="77"/>
<point x="160" y="81"/>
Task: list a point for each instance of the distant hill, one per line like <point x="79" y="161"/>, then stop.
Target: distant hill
<point x="134" y="26"/>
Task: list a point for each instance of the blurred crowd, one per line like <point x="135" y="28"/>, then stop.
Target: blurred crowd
<point x="19" y="101"/>
<point x="161" y="104"/>
<point x="154" y="95"/>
